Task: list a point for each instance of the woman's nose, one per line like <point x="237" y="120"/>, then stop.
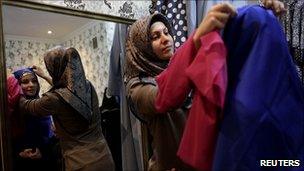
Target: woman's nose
<point x="165" y="38"/>
<point x="31" y="83"/>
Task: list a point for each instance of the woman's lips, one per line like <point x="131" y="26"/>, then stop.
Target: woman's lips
<point x="166" y="49"/>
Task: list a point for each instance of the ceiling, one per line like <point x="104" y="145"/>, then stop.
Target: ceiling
<point x="33" y="23"/>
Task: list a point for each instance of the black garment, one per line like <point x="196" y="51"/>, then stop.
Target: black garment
<point x="293" y="24"/>
<point x="110" y="123"/>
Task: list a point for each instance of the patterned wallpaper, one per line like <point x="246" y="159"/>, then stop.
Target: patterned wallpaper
<point x="124" y="8"/>
<point x="28" y="51"/>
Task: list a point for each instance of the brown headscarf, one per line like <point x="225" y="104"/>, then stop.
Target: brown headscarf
<point x="65" y="68"/>
<point x="140" y="58"/>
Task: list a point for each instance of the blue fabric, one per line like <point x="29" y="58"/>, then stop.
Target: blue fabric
<point x="264" y="110"/>
<point x="18" y="74"/>
<point x="37" y="131"/>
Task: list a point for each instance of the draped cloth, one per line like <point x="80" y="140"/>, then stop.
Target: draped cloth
<point x="264" y="114"/>
<point x="208" y="73"/>
<point x="66" y="70"/>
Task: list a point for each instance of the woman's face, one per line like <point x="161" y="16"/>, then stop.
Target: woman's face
<point x="162" y="41"/>
<point x="29" y="84"/>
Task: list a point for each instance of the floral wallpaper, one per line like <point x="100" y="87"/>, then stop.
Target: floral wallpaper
<point x="22" y="52"/>
<point x="133" y="9"/>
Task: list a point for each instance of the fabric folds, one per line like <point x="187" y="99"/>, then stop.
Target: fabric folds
<point x="264" y="111"/>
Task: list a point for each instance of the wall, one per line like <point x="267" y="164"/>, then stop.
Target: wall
<point x="124" y="8"/>
<point x="26" y="51"/>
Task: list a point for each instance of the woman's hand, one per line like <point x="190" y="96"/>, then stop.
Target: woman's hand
<point x="216" y="18"/>
<point x="38" y="71"/>
<point x="275" y="5"/>
<point x="41" y="74"/>
<point x="35" y="154"/>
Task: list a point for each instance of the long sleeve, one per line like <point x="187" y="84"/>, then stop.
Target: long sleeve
<point x="143" y="97"/>
<point x="173" y="84"/>
<point x="44" y="106"/>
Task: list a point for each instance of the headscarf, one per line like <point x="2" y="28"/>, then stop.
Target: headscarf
<point x="140" y="58"/>
<point x="65" y="67"/>
<point x="25" y="71"/>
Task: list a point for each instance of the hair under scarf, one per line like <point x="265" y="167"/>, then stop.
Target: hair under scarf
<point x="140" y="58"/>
<point x="65" y="67"/>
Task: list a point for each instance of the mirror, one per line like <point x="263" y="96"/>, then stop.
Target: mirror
<point x="28" y="32"/>
<point x="122" y="8"/>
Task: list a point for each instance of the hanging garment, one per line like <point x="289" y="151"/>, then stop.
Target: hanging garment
<point x="130" y="140"/>
<point x="264" y="111"/>
<point x="110" y="124"/>
<point x="208" y="73"/>
<point x="293" y="24"/>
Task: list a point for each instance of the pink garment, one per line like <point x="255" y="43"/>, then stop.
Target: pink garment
<point x="208" y="72"/>
<point x="207" y="75"/>
<point x="13" y="92"/>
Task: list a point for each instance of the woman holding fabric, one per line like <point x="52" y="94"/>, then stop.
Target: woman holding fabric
<point x="157" y="88"/>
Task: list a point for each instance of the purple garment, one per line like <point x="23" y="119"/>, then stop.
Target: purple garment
<point x="264" y="110"/>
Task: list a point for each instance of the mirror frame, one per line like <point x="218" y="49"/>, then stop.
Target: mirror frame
<point x="5" y="151"/>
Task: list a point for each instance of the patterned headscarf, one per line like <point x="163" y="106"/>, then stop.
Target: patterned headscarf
<point x="65" y="67"/>
<point x="18" y="74"/>
<point x="140" y="58"/>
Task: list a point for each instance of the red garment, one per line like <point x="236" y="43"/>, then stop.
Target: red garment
<point x="208" y="72"/>
<point x="13" y="92"/>
<point x="16" y="121"/>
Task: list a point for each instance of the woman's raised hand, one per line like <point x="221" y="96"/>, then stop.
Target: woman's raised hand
<point x="38" y="71"/>
<point x="216" y="18"/>
<point x="276" y="6"/>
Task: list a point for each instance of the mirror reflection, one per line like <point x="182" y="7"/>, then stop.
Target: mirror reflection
<point x="28" y="35"/>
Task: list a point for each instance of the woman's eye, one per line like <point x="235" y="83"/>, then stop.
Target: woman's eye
<point x="24" y="81"/>
<point x="155" y="37"/>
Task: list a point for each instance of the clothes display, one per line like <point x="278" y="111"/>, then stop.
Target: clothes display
<point x="110" y="124"/>
<point x="293" y="24"/>
<point x="263" y="115"/>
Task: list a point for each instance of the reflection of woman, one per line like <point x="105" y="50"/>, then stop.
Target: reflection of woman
<point x="31" y="135"/>
<point x="74" y="105"/>
<point x="148" y="50"/>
